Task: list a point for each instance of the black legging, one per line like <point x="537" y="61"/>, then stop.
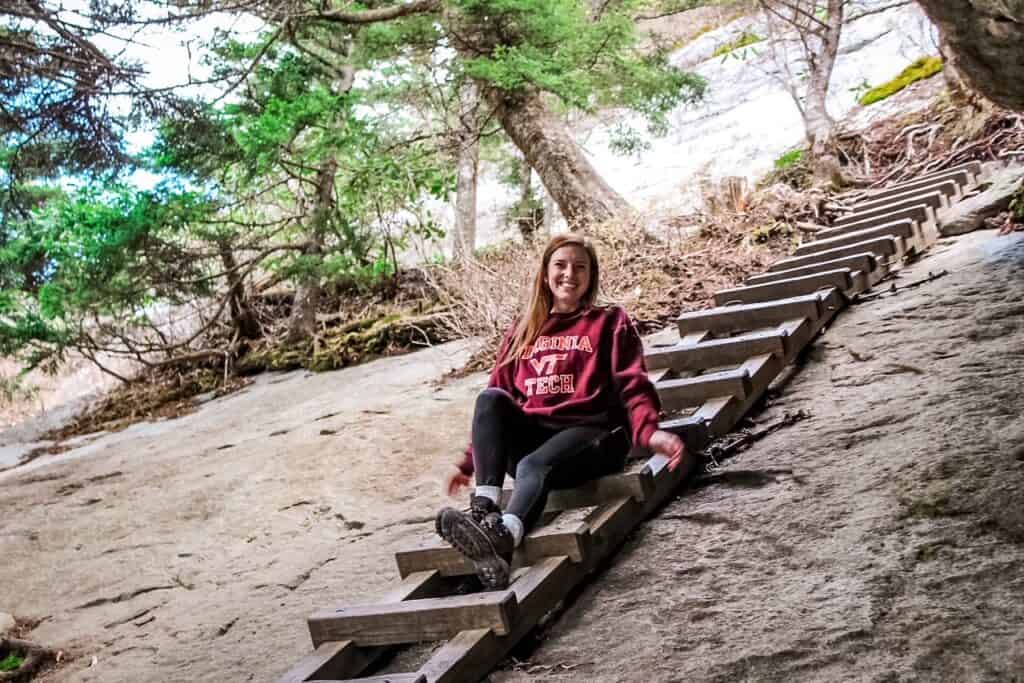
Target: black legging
<point x="540" y="458"/>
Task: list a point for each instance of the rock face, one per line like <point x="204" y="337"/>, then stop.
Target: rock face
<point x="988" y="39"/>
<point x="7" y="623"/>
<point x="971" y="213"/>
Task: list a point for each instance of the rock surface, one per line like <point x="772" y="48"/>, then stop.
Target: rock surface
<point x="881" y="540"/>
<point x="7" y="623"/>
<point x="970" y="214"/>
<point x="988" y="39"/>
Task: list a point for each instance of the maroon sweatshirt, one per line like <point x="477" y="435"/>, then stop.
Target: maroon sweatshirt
<point x="585" y="367"/>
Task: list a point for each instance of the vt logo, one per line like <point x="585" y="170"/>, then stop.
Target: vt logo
<point x="546" y="365"/>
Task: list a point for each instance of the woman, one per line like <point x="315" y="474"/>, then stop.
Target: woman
<point x="568" y="374"/>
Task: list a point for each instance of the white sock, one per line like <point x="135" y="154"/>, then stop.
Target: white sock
<point x="515" y="525"/>
<point x="492" y="492"/>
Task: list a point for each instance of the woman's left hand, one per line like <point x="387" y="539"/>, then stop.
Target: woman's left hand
<point x="669" y="445"/>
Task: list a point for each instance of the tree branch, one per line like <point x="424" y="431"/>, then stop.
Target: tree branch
<point x="373" y="16"/>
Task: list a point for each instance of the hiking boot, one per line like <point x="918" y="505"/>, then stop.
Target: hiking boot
<point x="481" y="506"/>
<point x="486" y="542"/>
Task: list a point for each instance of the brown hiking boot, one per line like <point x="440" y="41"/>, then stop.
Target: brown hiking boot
<point x="486" y="542"/>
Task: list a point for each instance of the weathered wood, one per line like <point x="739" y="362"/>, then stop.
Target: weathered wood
<point x="935" y="200"/>
<point x="762" y="370"/>
<point x="471" y="654"/>
<point x="344" y="659"/>
<point x="715" y="352"/>
<point x="920" y="213"/>
<point x="781" y="289"/>
<point x="864" y="261"/>
<point x="692" y="391"/>
<point x="750" y="316"/>
<point x="383" y="678"/>
<point x="960" y="179"/>
<point x="904" y="228"/>
<point x="691" y="429"/>
<point x="568" y="537"/>
<point x="415" y="621"/>
<point x="949" y="189"/>
<point x="596" y="492"/>
<point x="893" y="247"/>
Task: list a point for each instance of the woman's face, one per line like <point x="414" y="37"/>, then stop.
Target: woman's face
<point x="568" y="277"/>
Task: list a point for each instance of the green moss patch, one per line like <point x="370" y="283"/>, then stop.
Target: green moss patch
<point x="926" y="67"/>
<point x="744" y="39"/>
<point x="12" y="662"/>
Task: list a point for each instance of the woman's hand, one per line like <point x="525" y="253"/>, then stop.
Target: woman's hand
<point x="669" y="445"/>
<point x="455" y="481"/>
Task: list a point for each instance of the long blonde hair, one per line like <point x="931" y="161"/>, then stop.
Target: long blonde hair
<point x="538" y="308"/>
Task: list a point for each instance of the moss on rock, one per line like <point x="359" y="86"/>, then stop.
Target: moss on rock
<point x="926" y="67"/>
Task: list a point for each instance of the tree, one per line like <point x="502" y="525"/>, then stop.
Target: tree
<point x="814" y="30"/>
<point x="522" y="52"/>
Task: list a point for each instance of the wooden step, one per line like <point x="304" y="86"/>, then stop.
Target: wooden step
<point x="725" y="319"/>
<point x="865" y="261"/>
<point x="569" y="537"/>
<point x="344" y="659"/>
<point x="782" y="289"/>
<point x="691" y="429"/>
<point x="892" y="247"/>
<point x="414" y="621"/>
<point x="923" y="215"/>
<point x="962" y="179"/>
<point x="692" y="391"/>
<point x="904" y="228"/>
<point x="949" y="189"/>
<point x="715" y="353"/>
<point x="383" y="678"/>
<point x="935" y="200"/>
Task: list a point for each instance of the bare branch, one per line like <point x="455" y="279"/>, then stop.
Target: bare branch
<point x="373" y="16"/>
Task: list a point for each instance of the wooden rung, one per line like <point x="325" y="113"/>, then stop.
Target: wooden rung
<point x="921" y="213"/>
<point x="972" y="167"/>
<point x="880" y="246"/>
<point x="715" y="353"/>
<point x="692" y="391"/>
<point x="568" y="537"/>
<point x="762" y="370"/>
<point x="597" y="491"/>
<point x="949" y="189"/>
<point x="960" y="179"/>
<point x="934" y="199"/>
<point x="865" y="261"/>
<point x="657" y="374"/>
<point x="471" y="654"/>
<point x="415" y="621"/>
<point x="383" y="678"/>
<point x="692" y="429"/>
<point x="782" y="289"/>
<point x="726" y="319"/>
<point x="904" y="228"/>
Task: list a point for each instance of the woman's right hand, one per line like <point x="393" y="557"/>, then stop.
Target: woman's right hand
<point x="455" y="481"/>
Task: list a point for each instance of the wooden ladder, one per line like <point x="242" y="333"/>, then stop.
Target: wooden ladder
<point x="725" y="359"/>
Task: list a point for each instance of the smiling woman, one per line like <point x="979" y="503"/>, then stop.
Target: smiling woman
<point x="567" y="396"/>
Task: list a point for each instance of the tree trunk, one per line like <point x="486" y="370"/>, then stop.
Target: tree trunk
<point x="583" y="197"/>
<point x="242" y="316"/>
<point x="527" y="213"/>
<point x="467" y="166"/>
<point x="818" y="124"/>
<point x="302" y="322"/>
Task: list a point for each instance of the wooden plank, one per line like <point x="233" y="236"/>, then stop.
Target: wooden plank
<point x="904" y="228"/>
<point x="750" y="316"/>
<point x="935" y="200"/>
<point x="471" y="654"/>
<point x="921" y="213"/>
<point x="949" y="190"/>
<point x="893" y="247"/>
<point x="864" y="261"/>
<point x="383" y="678"/>
<point x="344" y="659"/>
<point x="715" y="352"/>
<point x="691" y="429"/>
<point x="961" y="180"/>
<point x="762" y="370"/>
<point x="596" y="492"/>
<point x="657" y="375"/>
<point x="415" y="621"/>
<point x="692" y="391"/>
<point x="781" y="289"/>
<point x="561" y="537"/>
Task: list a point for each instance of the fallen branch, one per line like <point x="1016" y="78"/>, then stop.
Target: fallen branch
<point x="717" y="452"/>
<point x="894" y="289"/>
